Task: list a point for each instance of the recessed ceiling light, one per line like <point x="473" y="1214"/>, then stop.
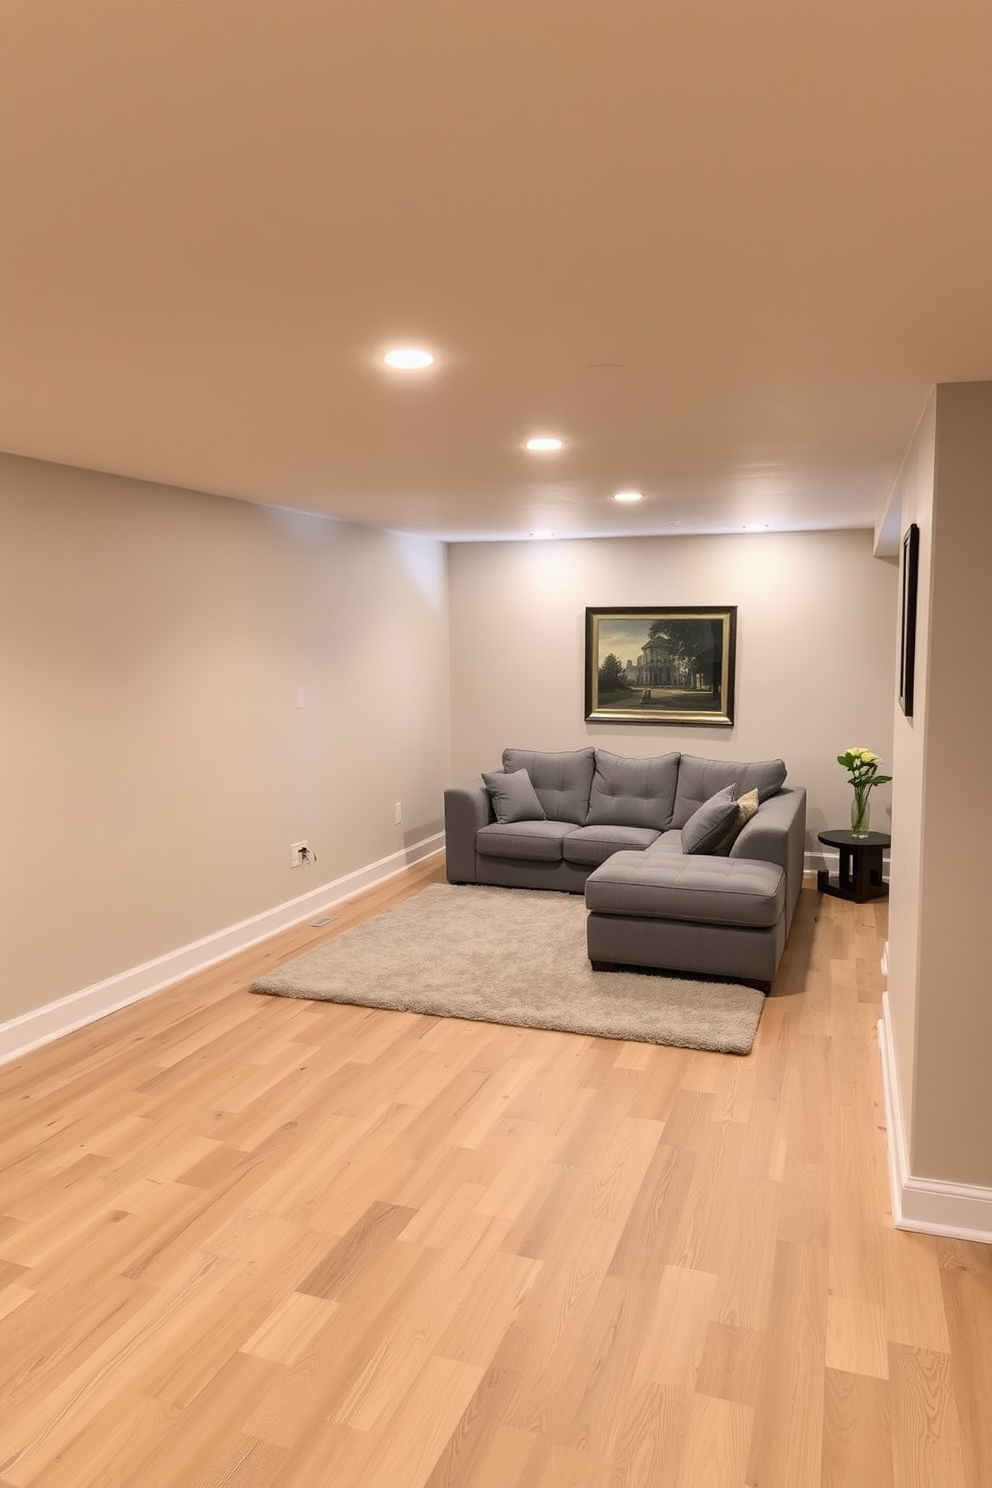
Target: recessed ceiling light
<point x="408" y="358"/>
<point x="629" y="496"/>
<point x="545" y="443"/>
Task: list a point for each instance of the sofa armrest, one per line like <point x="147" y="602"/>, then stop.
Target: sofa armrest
<point x="466" y="809"/>
<point x="777" y="834"/>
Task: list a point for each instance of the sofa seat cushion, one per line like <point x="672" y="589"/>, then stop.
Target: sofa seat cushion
<point x="537" y="840"/>
<point x="715" y="891"/>
<point x="562" y="781"/>
<point x="699" y="779"/>
<point x="668" y="842"/>
<point x="633" y="792"/>
<point x="596" y="844"/>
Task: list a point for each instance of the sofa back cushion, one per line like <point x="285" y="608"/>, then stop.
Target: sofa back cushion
<point x="562" y="781"/>
<point x="633" y="792"/>
<point x="699" y="779"/>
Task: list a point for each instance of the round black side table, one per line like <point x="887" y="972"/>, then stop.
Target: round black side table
<point x="860" y="877"/>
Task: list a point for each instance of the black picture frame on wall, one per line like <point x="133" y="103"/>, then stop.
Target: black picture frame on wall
<point x="907" y="631"/>
<point x="668" y="666"/>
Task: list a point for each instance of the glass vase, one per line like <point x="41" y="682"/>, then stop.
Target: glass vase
<point x="860" y="813"/>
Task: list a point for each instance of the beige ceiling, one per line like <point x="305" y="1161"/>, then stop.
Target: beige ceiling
<point x="725" y="247"/>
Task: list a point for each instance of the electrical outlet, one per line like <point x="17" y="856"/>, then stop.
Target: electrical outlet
<point x="299" y="853"/>
<point x="398" y="813"/>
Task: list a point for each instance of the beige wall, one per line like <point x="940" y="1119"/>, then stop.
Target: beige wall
<point x="939" y="1000"/>
<point x="155" y="764"/>
<point x="815" y="649"/>
<point x="913" y="496"/>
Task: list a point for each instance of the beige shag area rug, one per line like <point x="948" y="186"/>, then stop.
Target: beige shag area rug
<point x="513" y="956"/>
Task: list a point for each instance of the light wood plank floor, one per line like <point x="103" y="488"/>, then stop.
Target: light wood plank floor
<point x="252" y="1241"/>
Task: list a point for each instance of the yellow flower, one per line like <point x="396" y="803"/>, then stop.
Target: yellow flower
<point x="862" y="765"/>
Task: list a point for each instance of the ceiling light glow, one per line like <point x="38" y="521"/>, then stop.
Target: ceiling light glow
<point x="542" y="533"/>
<point x="408" y="358"/>
<point x="755" y="526"/>
<point x="545" y="443"/>
<point x="629" y="496"/>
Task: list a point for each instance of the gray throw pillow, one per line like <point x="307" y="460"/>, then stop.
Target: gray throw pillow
<point x="707" y="826"/>
<point x="513" y="796"/>
<point x="747" y="806"/>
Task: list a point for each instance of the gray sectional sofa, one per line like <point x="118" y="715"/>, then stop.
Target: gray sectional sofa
<point x="686" y="863"/>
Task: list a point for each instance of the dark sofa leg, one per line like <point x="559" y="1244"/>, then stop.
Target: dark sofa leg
<point x="603" y="965"/>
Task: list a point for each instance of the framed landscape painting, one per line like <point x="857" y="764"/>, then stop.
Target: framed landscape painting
<point x="661" y="665"/>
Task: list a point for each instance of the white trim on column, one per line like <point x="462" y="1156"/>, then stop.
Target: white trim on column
<point x="829" y="858"/>
<point x="40" y="1026"/>
<point x="928" y="1205"/>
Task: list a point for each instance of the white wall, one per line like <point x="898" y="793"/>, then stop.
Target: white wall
<point x="155" y="766"/>
<point x="815" y="649"/>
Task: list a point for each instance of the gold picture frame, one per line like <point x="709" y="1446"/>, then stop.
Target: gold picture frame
<point x="665" y="666"/>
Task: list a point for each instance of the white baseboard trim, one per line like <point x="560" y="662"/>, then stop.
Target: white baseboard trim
<point x="828" y="858"/>
<point x="20" y="1035"/>
<point x="927" y="1205"/>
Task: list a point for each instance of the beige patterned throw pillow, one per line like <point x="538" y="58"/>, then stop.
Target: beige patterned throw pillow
<point x="747" y="805"/>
